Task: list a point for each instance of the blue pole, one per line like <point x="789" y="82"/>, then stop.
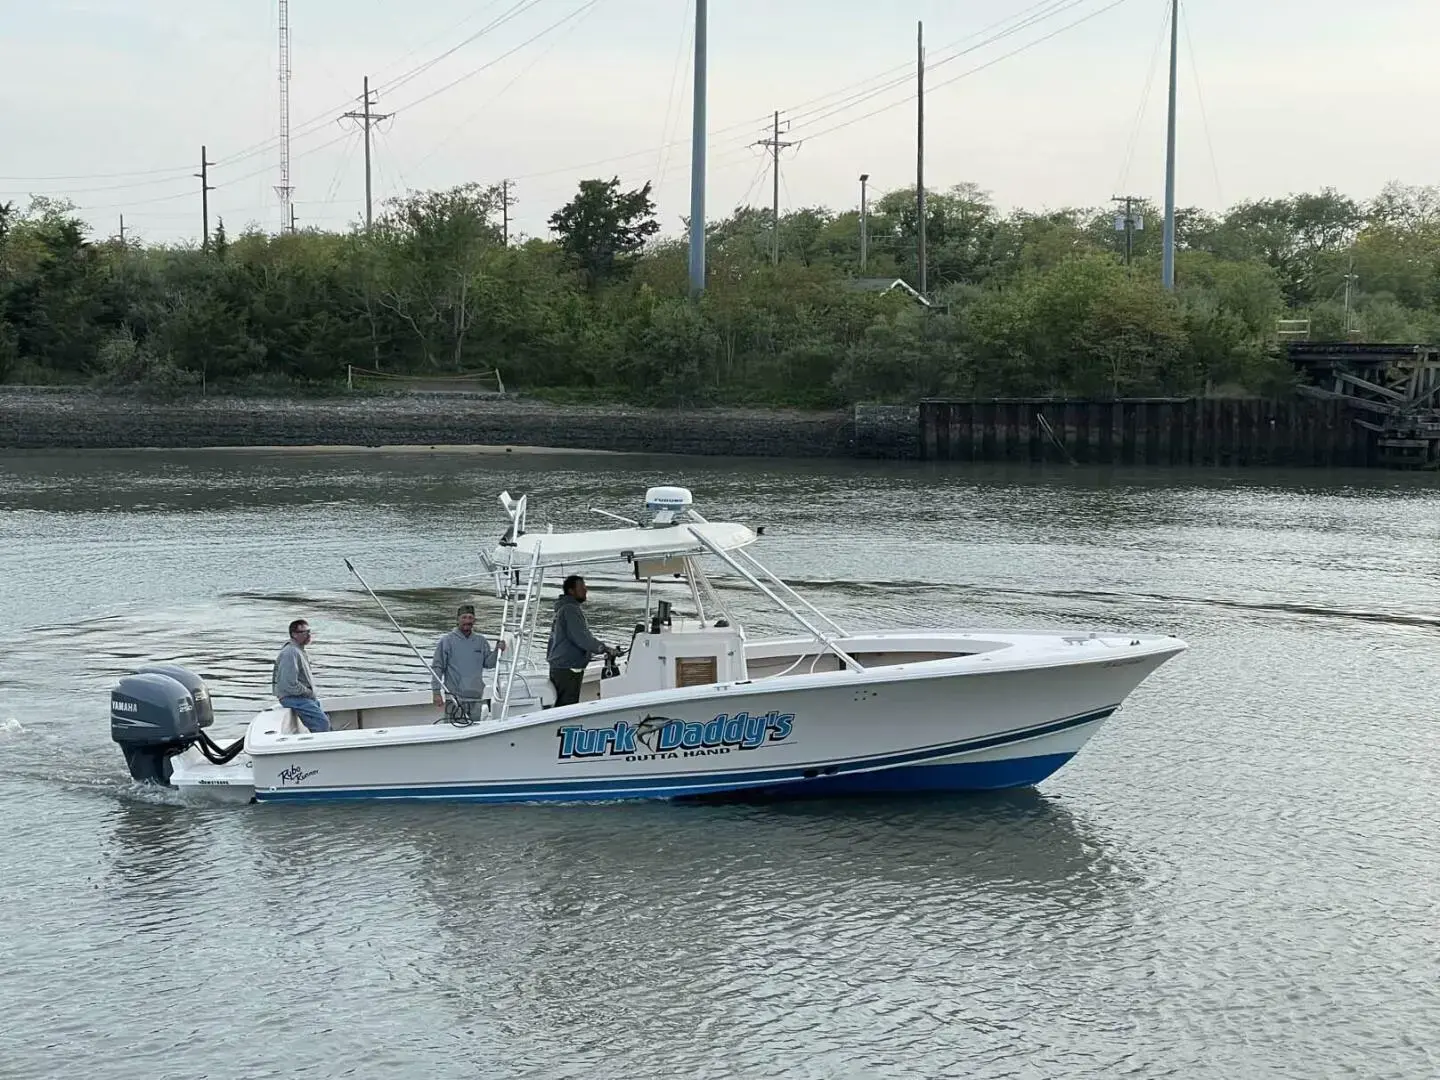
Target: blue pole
<point x="697" y="159"/>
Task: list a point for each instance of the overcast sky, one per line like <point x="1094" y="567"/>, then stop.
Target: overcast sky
<point x="1298" y="94"/>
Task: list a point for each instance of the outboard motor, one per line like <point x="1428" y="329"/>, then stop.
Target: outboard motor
<point x="154" y="716"/>
<point x="199" y="692"/>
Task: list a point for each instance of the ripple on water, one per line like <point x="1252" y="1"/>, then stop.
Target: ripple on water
<point x="1234" y="879"/>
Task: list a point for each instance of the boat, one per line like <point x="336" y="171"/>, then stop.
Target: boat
<point x="690" y="708"/>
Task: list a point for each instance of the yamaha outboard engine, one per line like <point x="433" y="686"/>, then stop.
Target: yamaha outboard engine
<point x="156" y="714"/>
<point x="199" y="693"/>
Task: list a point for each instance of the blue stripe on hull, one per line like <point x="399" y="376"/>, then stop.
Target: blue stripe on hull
<point x="975" y="776"/>
<point x="864" y="775"/>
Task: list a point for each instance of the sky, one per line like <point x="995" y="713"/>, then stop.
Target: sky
<point x="1041" y="103"/>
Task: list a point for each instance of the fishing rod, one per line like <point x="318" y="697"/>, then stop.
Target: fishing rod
<point x="444" y="689"/>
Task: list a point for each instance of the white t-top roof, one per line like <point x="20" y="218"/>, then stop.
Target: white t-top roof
<point x="608" y="545"/>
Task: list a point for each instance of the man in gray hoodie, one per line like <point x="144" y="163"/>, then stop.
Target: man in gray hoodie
<point x="461" y="659"/>
<point x="290" y="679"/>
<point x="571" y="643"/>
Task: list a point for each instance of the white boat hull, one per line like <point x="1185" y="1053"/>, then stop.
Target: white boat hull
<point x="1009" y="715"/>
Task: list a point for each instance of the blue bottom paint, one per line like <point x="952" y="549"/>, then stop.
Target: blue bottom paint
<point x="975" y="776"/>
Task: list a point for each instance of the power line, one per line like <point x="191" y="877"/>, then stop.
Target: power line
<point x="686" y="31"/>
<point x="1046" y="11"/>
<point x="1144" y="103"/>
<point x="972" y="71"/>
<point x="112" y="187"/>
<point x="452" y="28"/>
<point x="1049" y="8"/>
<point x="220" y="186"/>
<point x="334" y="185"/>
<point x="384" y="141"/>
<point x="903" y="74"/>
<point x="754" y="183"/>
<point x="1024" y="19"/>
<point x="94" y="176"/>
<point x="1200" y="98"/>
<point x="581" y="10"/>
<point x="1055" y="5"/>
<point x="319" y="120"/>
<point x="455" y="129"/>
<point x="516" y="9"/>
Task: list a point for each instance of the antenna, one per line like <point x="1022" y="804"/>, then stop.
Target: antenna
<point x="284" y="188"/>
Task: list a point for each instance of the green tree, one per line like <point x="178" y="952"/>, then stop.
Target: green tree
<point x="429" y="269"/>
<point x="1023" y="303"/>
<point x="604" y="228"/>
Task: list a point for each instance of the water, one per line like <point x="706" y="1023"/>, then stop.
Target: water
<point x="1236" y="877"/>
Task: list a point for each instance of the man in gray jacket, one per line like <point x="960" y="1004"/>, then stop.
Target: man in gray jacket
<point x="290" y="679"/>
<point x="461" y="659"/>
<point x="571" y="643"/>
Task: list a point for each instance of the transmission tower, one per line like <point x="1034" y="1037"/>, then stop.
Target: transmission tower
<point x="284" y="188"/>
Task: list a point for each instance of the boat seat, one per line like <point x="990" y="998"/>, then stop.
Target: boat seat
<point x="291" y="725"/>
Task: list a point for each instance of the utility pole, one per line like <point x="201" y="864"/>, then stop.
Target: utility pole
<point x="368" y="118"/>
<point x="920" y="148"/>
<point x="122" y="230"/>
<point x="1349" y="282"/>
<point x="205" y="189"/>
<point x="292" y="217"/>
<point x="505" y="211"/>
<point x="697" y="155"/>
<point x="1168" y="259"/>
<point x="775" y="146"/>
<point x="1129" y="224"/>
<point x="864" y="222"/>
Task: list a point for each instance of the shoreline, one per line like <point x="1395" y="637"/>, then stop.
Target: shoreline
<point x="479" y="449"/>
<point x="86" y="419"/>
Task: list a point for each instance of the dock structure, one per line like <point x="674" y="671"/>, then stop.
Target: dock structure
<point x="1226" y="432"/>
<point x="1359" y="405"/>
<point x="1391" y="391"/>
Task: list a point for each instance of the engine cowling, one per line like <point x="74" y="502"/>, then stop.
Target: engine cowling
<point x="153" y="717"/>
<point x="199" y="692"/>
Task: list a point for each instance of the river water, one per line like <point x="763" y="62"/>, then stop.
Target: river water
<point x="1236" y="878"/>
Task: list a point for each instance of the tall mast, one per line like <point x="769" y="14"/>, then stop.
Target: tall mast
<point x="284" y="189"/>
<point x="697" y="156"/>
<point x="1168" y="260"/>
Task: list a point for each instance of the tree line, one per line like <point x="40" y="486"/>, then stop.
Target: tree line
<point x="1021" y="303"/>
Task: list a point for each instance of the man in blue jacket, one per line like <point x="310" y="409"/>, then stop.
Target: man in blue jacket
<point x="572" y="645"/>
